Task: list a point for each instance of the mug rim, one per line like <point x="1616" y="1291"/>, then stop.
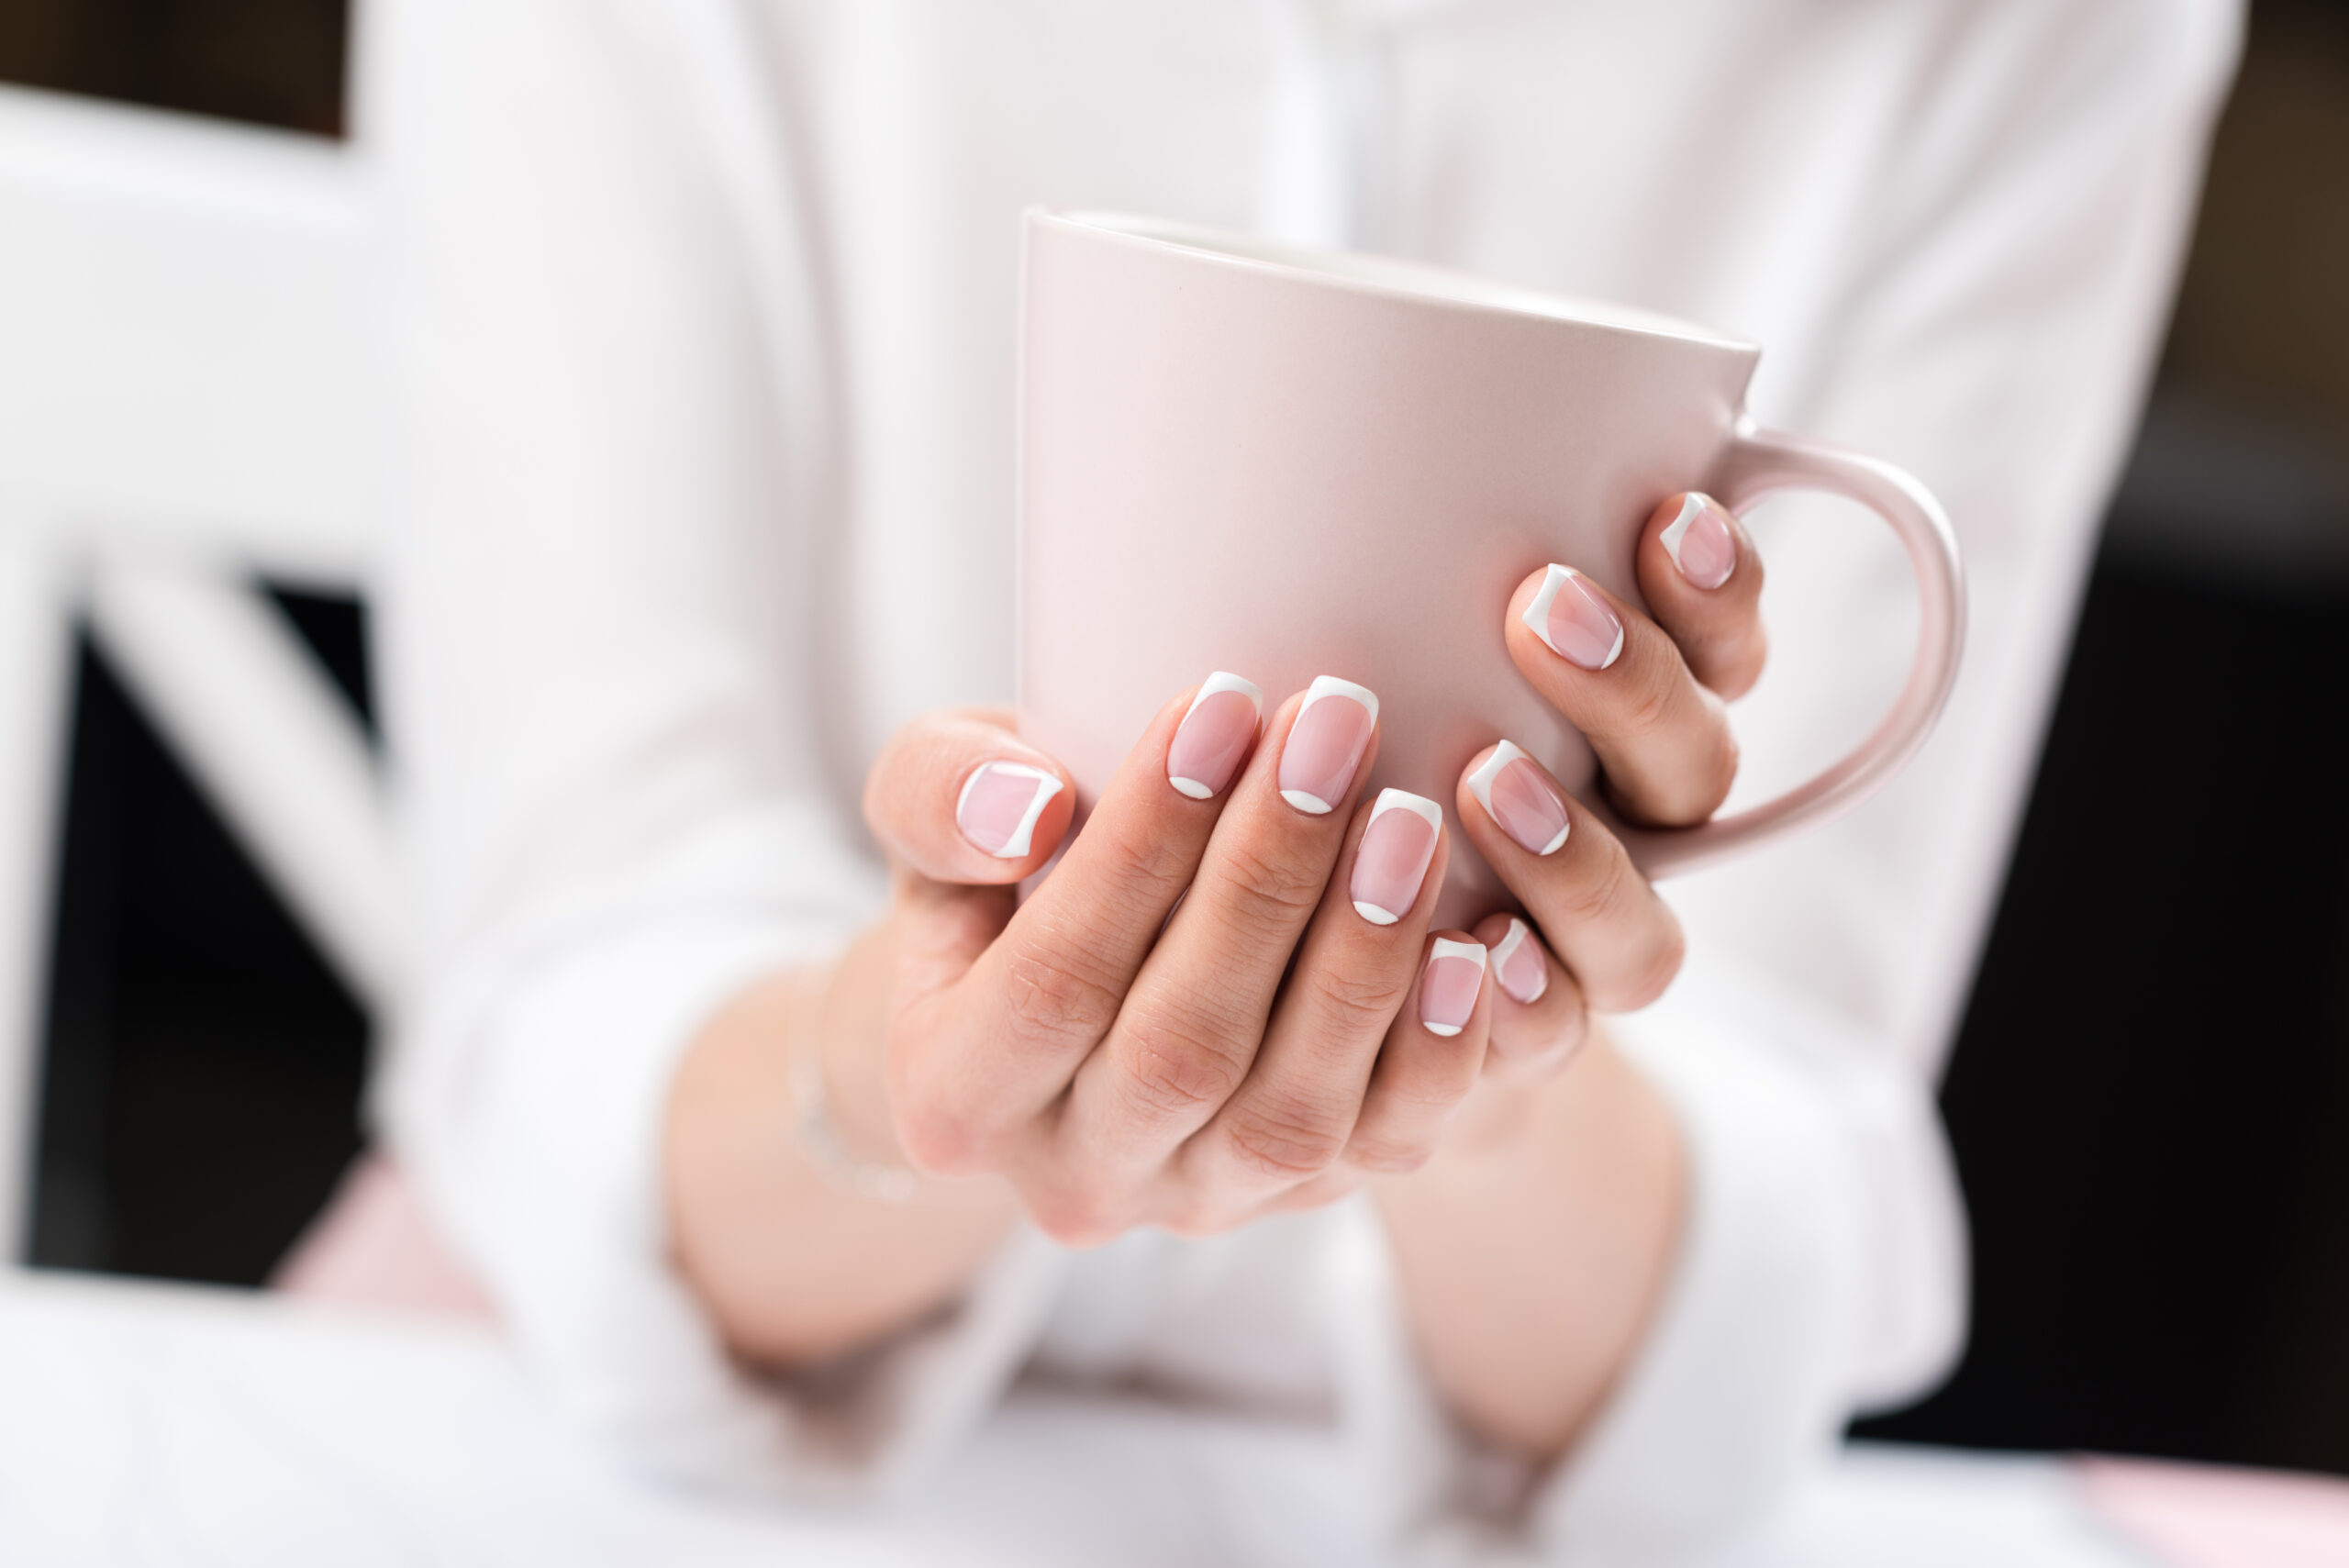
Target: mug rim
<point x="1389" y="277"/>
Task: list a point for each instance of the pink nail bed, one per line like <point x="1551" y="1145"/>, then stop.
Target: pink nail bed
<point x="1325" y="744"/>
<point x="1448" y="986"/>
<point x="1574" y="622"/>
<point x="1699" y="543"/>
<point x="1517" y="797"/>
<point x="1214" y="734"/>
<point x="1518" y="965"/>
<point x="1392" y="860"/>
<point x="999" y="805"/>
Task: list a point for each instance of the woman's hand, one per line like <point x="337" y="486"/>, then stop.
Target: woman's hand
<point x="1525" y="1340"/>
<point x="1649" y="694"/>
<point x="1224" y="1000"/>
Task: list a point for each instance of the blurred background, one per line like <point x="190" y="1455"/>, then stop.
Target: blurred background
<point x="2150" y="1097"/>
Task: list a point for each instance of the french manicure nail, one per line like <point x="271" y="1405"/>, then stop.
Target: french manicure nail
<point x="1699" y="543"/>
<point x="1519" y="800"/>
<point x="1448" y="986"/>
<point x="1391" y="862"/>
<point x="1574" y="622"/>
<point x="1325" y="744"/>
<point x="999" y="805"/>
<point x="1518" y="965"/>
<point x="1214" y="734"/>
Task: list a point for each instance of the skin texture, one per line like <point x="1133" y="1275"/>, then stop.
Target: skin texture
<point x="1103" y="1056"/>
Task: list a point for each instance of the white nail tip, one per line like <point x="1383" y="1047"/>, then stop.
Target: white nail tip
<point x="1373" y="914"/>
<point x="1191" y="787"/>
<point x="1427" y="811"/>
<point x="1446" y="948"/>
<point x="1331" y="686"/>
<point x="1023" y="836"/>
<point x="1220" y="682"/>
<point x="1442" y="1031"/>
<point x="1311" y="804"/>
<point x="1519" y="935"/>
<point x="1480" y="783"/>
<point x="1537" y="615"/>
<point x="1691" y="508"/>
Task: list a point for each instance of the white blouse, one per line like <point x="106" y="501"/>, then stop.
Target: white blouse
<point x="706" y="314"/>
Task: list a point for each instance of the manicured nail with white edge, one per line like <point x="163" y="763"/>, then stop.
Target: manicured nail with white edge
<point x="1574" y="622"/>
<point x="1214" y="734"/>
<point x="1391" y="862"/>
<point x="1325" y="744"/>
<point x="1519" y="800"/>
<point x="1700" y="544"/>
<point x="1448" y="986"/>
<point x="999" y="805"/>
<point x="1518" y="965"/>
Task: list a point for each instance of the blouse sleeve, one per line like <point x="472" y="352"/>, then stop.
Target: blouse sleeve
<point x="1994" y="335"/>
<point x="601" y="687"/>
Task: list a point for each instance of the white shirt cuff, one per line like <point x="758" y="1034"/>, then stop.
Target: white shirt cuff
<point x="536" y="1139"/>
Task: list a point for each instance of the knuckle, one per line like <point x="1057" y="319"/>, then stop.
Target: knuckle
<point x="1053" y="992"/>
<point x="1285" y="1143"/>
<point x="1379" y="1155"/>
<point x="1354" y="1004"/>
<point x="1647" y="704"/>
<point x="1587" y="899"/>
<point x="1147" y="863"/>
<point x="1174" y="1071"/>
<point x="1282" y="889"/>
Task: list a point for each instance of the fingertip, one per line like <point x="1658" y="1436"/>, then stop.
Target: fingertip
<point x="1014" y="811"/>
<point x="1454" y="977"/>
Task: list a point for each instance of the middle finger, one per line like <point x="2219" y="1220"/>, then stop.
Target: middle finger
<point x="1189" y="1028"/>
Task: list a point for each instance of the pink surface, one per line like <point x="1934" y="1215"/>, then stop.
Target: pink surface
<point x="1286" y="464"/>
<point x="2197" y="1515"/>
<point x="373" y="1247"/>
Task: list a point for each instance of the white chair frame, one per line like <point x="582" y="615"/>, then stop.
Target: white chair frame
<point x="191" y="397"/>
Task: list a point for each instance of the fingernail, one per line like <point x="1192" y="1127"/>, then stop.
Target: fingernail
<point x="1392" y="860"/>
<point x="1699" y="544"/>
<point x="999" y="805"/>
<point x="1577" y="624"/>
<point x="1214" y="734"/>
<point x="1448" y="986"/>
<point x="1515" y="795"/>
<point x="1325" y="744"/>
<point x="1518" y="965"/>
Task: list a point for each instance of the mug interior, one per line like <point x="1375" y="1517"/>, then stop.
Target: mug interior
<point x="1392" y="274"/>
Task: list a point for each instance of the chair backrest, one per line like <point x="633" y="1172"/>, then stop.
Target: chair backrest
<point x="191" y="395"/>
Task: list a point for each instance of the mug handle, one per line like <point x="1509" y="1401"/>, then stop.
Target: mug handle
<point x="1760" y="464"/>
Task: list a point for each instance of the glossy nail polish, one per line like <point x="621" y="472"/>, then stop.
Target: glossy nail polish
<point x="1518" y="965"/>
<point x="1574" y="622"/>
<point x="1392" y="860"/>
<point x="1699" y="543"/>
<point x="999" y="805"/>
<point x="1325" y="745"/>
<point x="1214" y="736"/>
<point x="1518" y="798"/>
<point x="1448" y="986"/>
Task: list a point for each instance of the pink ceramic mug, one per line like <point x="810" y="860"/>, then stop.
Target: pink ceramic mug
<point x="1235" y="455"/>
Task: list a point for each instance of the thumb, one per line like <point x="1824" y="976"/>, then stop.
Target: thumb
<point x="957" y="797"/>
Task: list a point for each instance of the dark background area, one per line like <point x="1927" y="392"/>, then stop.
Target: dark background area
<point x="2149" y="1099"/>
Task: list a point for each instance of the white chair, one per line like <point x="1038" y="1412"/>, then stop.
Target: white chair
<point x="191" y="395"/>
